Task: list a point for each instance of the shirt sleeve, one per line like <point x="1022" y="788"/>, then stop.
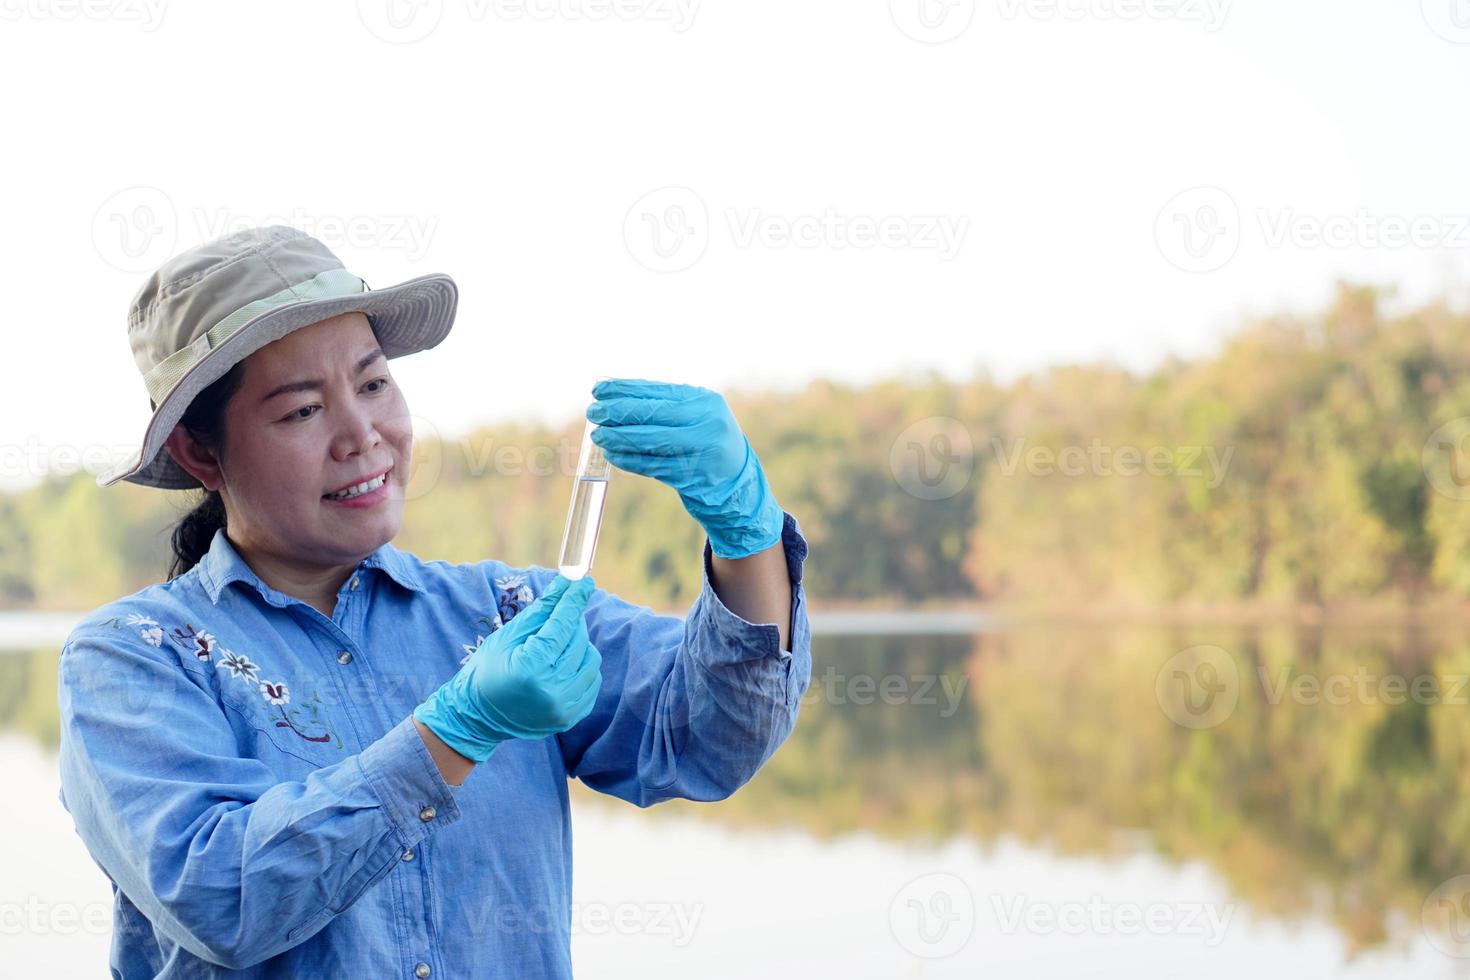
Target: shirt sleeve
<point x="222" y="857"/>
<point x="690" y="707"/>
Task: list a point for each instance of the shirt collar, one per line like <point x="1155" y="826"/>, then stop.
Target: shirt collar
<point x="222" y="565"/>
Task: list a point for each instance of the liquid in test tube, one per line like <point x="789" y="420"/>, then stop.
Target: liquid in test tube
<point x="584" y="514"/>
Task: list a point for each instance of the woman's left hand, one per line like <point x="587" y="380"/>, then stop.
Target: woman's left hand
<point x="687" y="437"/>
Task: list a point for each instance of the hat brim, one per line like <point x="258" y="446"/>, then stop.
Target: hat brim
<point x="406" y="318"/>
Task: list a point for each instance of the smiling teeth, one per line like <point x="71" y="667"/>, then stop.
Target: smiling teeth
<point x="359" y="490"/>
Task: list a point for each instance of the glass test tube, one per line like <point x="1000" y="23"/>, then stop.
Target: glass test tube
<point x="584" y="514"/>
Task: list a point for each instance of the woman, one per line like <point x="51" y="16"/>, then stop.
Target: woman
<point x="310" y="754"/>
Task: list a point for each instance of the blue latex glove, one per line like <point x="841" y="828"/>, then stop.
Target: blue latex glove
<point x="687" y="437"/>
<point x="537" y="675"/>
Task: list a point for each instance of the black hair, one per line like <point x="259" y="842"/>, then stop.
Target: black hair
<point x="205" y="421"/>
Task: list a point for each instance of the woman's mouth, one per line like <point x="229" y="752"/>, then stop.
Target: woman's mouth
<point x="362" y="495"/>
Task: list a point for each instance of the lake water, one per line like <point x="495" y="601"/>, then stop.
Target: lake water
<point x="1032" y="802"/>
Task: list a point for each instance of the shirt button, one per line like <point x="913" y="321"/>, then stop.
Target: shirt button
<point x="354" y="582"/>
<point x="421" y="971"/>
<point x="344" y="658"/>
<point x="426" y="814"/>
<point x="408" y="854"/>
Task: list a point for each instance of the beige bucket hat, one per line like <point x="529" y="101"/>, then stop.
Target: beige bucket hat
<point x="207" y="309"/>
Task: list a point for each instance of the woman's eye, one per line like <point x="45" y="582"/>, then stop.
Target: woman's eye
<point x="297" y="415"/>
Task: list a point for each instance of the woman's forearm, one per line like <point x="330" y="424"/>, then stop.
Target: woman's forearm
<point x="454" y="767"/>
<point x="756" y="588"/>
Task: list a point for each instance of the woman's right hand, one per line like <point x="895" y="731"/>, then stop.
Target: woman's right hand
<point x="535" y="676"/>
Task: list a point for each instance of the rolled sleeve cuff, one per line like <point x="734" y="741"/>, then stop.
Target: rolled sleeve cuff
<point x="734" y="637"/>
<point x="413" y="792"/>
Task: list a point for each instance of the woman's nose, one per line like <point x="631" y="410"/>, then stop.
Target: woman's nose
<point x="358" y="433"/>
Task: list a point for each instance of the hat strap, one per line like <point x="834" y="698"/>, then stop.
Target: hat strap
<point x="163" y="376"/>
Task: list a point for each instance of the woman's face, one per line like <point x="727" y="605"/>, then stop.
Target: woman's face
<point x="316" y="410"/>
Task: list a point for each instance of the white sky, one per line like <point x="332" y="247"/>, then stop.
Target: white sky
<point x="515" y="152"/>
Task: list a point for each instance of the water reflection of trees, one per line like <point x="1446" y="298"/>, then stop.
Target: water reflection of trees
<point x="1354" y="810"/>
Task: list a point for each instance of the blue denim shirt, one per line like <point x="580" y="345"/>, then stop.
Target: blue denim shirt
<point x="246" y="772"/>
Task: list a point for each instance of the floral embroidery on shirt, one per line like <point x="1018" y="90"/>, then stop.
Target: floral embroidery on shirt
<point x="239" y="666"/>
<point x="305" y="719"/>
<point x="512" y="595"/>
<point x="199" y="643"/>
<point x="148" y="628"/>
<point x="515" y="595"/>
